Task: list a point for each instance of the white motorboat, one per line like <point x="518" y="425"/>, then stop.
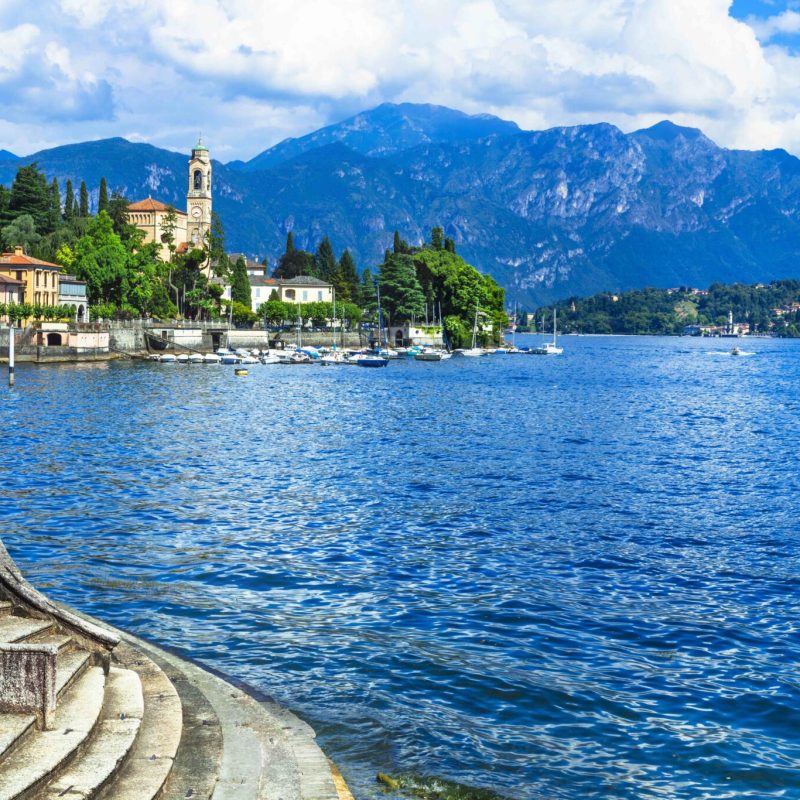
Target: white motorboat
<point x="231" y="358"/>
<point x="333" y="359"/>
<point x="250" y="360"/>
<point x="211" y="358"/>
<point x="167" y="358"/>
<point x="196" y="358"/>
<point x="469" y="352"/>
<point x="183" y="358"/>
<point x="268" y="358"/>
<point x="428" y="355"/>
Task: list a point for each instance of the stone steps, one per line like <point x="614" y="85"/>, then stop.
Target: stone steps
<point x="20" y="629"/>
<point x="135" y="722"/>
<point x="42" y="753"/>
<point x="113" y="737"/>
<point x="152" y="756"/>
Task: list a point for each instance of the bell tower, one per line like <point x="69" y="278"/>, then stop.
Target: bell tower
<point x="198" y="198"/>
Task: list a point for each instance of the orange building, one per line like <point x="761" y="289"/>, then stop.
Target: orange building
<point x="41" y="278"/>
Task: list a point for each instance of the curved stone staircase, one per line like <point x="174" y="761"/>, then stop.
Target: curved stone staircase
<point x="90" y="712"/>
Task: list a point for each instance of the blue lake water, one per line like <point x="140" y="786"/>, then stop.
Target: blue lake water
<point x="572" y="577"/>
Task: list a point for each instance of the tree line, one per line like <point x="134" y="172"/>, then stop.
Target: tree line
<point x="767" y="308"/>
<point x="126" y="277"/>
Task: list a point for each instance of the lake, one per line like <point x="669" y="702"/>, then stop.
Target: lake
<point x="554" y="577"/>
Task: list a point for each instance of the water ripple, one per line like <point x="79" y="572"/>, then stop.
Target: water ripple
<point x="556" y="578"/>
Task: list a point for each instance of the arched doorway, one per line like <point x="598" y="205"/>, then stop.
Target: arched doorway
<point x="398" y="338"/>
<point x="54" y="340"/>
<point x="80" y="313"/>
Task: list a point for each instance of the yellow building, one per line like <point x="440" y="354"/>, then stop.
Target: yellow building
<point x="41" y="278"/>
<point x="193" y="226"/>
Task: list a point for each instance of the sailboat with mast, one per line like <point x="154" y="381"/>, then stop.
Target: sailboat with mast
<point x="474" y="351"/>
<point x="549" y="348"/>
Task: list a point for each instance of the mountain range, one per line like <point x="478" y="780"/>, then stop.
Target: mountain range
<point x="571" y="210"/>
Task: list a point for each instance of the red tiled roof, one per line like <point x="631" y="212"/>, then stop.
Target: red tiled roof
<point x="152" y="205"/>
<point x="17" y="259"/>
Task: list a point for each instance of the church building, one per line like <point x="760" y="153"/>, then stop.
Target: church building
<point x="192" y="226"/>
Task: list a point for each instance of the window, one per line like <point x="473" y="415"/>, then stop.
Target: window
<point x="305" y="294"/>
<point x="198" y="180"/>
<point x="290" y="294"/>
<point x="319" y="295"/>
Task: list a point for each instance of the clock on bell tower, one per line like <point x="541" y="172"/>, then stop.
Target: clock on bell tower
<point x="198" y="198"/>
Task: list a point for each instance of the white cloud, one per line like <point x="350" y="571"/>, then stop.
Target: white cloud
<point x="787" y="22"/>
<point x="249" y="73"/>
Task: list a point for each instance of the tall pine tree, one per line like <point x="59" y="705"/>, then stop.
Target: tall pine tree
<point x="55" y="205"/>
<point x="348" y="277"/>
<point x="69" y="202"/>
<point x="325" y="261"/>
<point x="30" y="194"/>
<point x="83" y="209"/>
<point x="102" y="200"/>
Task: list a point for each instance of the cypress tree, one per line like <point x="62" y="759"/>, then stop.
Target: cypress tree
<point x="450" y="245"/>
<point x="83" y="209"/>
<point x="400" y="245"/>
<point x="69" y="202"/>
<point x="55" y="205"/>
<point x="240" y="283"/>
<point x="102" y="201"/>
<point x="289" y="244"/>
<point x="437" y="235"/>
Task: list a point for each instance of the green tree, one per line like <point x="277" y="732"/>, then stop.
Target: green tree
<point x="83" y="208"/>
<point x="437" y="238"/>
<point x="102" y="200"/>
<point x="293" y="262"/>
<point x="325" y="261"/>
<point x="54" y="220"/>
<point x="401" y="293"/>
<point x="117" y="210"/>
<point x="240" y="283"/>
<point x="21" y="233"/>
<point x="30" y="195"/>
<point x="347" y="276"/>
<point x="69" y="202"/>
<point x="400" y="246"/>
<point x="101" y="260"/>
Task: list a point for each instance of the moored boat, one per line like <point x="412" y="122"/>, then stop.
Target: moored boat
<point x="371" y="361"/>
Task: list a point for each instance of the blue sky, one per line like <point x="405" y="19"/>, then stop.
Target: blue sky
<point x="248" y="73"/>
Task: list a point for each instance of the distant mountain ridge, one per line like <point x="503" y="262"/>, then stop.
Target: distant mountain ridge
<point x="386" y="130"/>
<point x="570" y="210"/>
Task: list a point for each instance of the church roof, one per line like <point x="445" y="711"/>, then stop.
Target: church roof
<point x="153" y="205"/>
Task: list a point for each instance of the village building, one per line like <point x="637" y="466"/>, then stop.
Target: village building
<point x="302" y="289"/>
<point x="11" y="290"/>
<point x="40" y="278"/>
<point x="72" y="292"/>
<point x="190" y="228"/>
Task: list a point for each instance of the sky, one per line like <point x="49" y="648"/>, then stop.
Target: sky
<point x="249" y="73"/>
